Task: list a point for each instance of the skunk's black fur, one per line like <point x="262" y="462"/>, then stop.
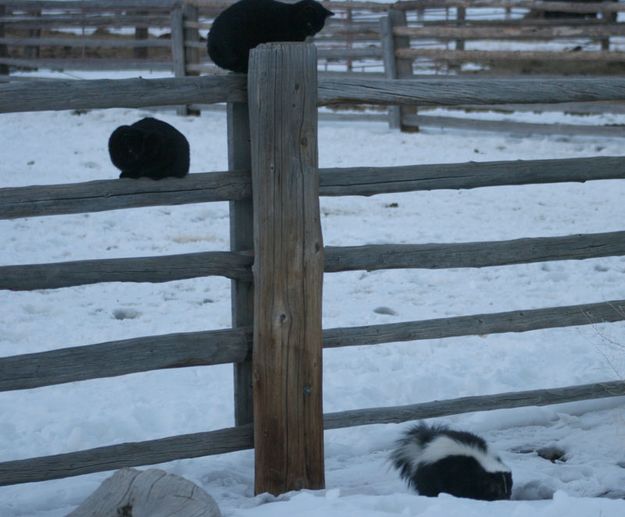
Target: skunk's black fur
<point x="149" y="148"/>
<point x="435" y="459"/>
<point x="248" y="23"/>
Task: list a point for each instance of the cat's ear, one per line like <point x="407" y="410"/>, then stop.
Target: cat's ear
<point x="327" y="13"/>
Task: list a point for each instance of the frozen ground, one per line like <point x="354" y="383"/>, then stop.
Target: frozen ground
<point x="47" y="148"/>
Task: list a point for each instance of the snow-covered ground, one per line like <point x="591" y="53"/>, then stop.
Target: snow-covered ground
<point x="60" y="147"/>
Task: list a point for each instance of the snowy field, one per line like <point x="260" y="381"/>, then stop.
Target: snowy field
<point x="62" y="147"/>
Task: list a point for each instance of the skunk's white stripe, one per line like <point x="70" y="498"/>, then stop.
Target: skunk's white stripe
<point x="443" y="446"/>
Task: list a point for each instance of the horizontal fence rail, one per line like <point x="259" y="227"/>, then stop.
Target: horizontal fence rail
<point x="511" y="55"/>
<point x="520" y="32"/>
<point x="241" y="437"/>
<point x="167" y="268"/>
<point x="566" y="7"/>
<point x="101" y="195"/>
<point x="180" y="350"/>
<point x="124" y="357"/>
<point x="455" y="92"/>
<point x="457" y="406"/>
<point x="368" y="181"/>
<point x="237" y="265"/>
<point x="120" y="93"/>
<point x="138" y="93"/>
<point x="474" y="254"/>
<point x="123" y="455"/>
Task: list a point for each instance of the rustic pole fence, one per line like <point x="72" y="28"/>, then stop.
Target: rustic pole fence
<point x="288" y="268"/>
<point x="184" y="55"/>
<point x="241" y="239"/>
<point x="4" y="69"/>
<point x="394" y="67"/>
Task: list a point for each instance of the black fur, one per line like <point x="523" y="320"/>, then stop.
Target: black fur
<point x="248" y="23"/>
<point x="455" y="474"/>
<point x="149" y="148"/>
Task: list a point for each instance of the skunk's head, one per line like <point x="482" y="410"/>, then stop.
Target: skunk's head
<point x="435" y="459"/>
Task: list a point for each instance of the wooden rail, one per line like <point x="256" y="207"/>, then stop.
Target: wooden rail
<point x="468" y="56"/>
<point x="474" y="254"/>
<point x="241" y="437"/>
<point x="181" y="350"/>
<point x="565" y="7"/>
<point x="137" y="93"/>
<point x="456" y="92"/>
<point x="137" y="269"/>
<point x="124" y="357"/>
<point x="101" y="195"/>
<point x="237" y="265"/>
<point x="126" y="93"/>
<point x="519" y="32"/>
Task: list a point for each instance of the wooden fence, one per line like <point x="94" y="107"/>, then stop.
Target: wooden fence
<point x="277" y="258"/>
<point x="448" y="36"/>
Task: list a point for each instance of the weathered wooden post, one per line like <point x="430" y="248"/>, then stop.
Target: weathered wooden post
<point x="288" y="268"/>
<point x="395" y="68"/>
<point x="461" y="16"/>
<point x="241" y="239"/>
<point x="4" y="69"/>
<point x="141" y="33"/>
<point x="181" y="53"/>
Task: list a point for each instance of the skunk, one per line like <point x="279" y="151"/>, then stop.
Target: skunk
<point x="435" y="459"/>
<point x="149" y="148"/>
<point x="248" y="23"/>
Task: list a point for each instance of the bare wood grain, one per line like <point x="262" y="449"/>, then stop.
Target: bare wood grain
<point x="520" y="32"/>
<point x="445" y="92"/>
<point x="241" y="239"/>
<point x="288" y="268"/>
<point x="368" y="181"/>
<point x="567" y="7"/>
<point x="458" y="406"/>
<point x="477" y="324"/>
<point x="166" y="268"/>
<point x="126" y="93"/>
<point x="474" y="254"/>
<point x="512" y="55"/>
<point x="131" y="454"/>
<point x="124" y="357"/>
<point x="101" y="195"/>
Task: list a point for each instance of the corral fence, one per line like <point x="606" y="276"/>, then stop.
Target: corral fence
<point x="277" y="258"/>
<point x="435" y="34"/>
<point x="453" y="37"/>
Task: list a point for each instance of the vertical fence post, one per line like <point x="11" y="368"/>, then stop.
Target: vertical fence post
<point x="179" y="51"/>
<point x="4" y="69"/>
<point x="395" y="68"/>
<point x="33" y="51"/>
<point x="288" y="268"/>
<point x="608" y="18"/>
<point x="141" y="33"/>
<point x="241" y="239"/>
<point x="461" y="16"/>
<point x="190" y="13"/>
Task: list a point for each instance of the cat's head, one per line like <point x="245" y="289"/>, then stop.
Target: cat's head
<point x="129" y="146"/>
<point x="311" y="15"/>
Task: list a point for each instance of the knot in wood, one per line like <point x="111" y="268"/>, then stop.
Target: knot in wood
<point x="307" y="390"/>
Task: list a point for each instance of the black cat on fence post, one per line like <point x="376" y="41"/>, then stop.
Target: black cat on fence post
<point x="248" y="23"/>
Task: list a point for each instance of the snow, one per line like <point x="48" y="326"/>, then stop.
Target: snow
<point x="63" y="147"/>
